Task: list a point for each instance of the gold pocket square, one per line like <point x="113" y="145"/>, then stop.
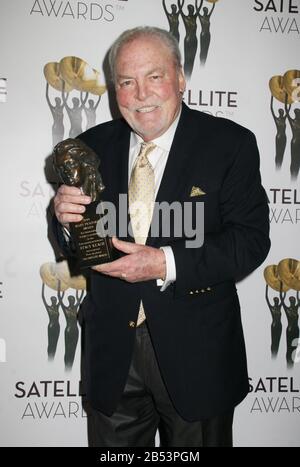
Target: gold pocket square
<point x="196" y="191"/>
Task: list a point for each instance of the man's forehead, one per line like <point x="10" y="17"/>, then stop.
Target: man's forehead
<point x="147" y="69"/>
<point x="140" y="61"/>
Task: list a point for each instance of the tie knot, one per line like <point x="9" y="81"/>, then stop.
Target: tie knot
<point x="147" y="146"/>
<point x="145" y="150"/>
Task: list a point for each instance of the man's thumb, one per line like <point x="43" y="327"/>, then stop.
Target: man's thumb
<point x="125" y="247"/>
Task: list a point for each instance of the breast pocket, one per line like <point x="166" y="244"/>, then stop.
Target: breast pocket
<point x="203" y="211"/>
<point x="206" y="197"/>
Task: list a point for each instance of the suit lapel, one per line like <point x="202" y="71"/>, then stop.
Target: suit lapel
<point x="177" y="170"/>
<point x="122" y="159"/>
<point x="116" y="170"/>
<point x="177" y="161"/>
<point x="121" y="154"/>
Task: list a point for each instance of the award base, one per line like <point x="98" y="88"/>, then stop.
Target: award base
<point x="91" y="245"/>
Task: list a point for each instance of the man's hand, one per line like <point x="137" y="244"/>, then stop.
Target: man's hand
<point x="69" y="204"/>
<point x="142" y="263"/>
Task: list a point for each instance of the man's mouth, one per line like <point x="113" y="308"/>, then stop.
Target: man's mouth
<point x="147" y="109"/>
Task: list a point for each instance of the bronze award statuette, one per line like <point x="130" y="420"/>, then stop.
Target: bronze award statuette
<point x="78" y="165"/>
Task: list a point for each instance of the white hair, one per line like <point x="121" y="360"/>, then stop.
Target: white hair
<point x="144" y="31"/>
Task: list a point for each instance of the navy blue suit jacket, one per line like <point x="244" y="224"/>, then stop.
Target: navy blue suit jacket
<point x="195" y="324"/>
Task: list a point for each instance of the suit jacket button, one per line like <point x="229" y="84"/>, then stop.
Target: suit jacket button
<point x="209" y="289"/>
<point x="202" y="291"/>
<point x="131" y="324"/>
<point x="191" y="292"/>
<point x="197" y="291"/>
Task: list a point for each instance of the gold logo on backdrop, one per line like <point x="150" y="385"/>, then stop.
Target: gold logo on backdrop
<point x="289" y="272"/>
<point x="286" y="90"/>
<point x="79" y="75"/>
<point x="278" y="90"/>
<point x="284" y="279"/>
<point x="72" y="76"/>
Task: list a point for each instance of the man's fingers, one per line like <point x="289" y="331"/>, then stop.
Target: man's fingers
<point x="113" y="267"/>
<point x="117" y="267"/>
<point x="69" y="204"/>
<point x="69" y="190"/>
<point x="115" y="274"/>
<point x="67" y="218"/>
<point x="82" y="199"/>
<point x="126" y="247"/>
<point x="69" y="208"/>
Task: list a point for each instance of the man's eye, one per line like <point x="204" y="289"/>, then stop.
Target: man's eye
<point x="126" y="83"/>
<point x="155" y="77"/>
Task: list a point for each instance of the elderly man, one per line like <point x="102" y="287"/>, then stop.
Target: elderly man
<point x="163" y="344"/>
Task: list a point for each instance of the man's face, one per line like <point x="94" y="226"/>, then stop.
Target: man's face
<point x="148" y="86"/>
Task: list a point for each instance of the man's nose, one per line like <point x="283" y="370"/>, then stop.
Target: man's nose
<point x="141" y="91"/>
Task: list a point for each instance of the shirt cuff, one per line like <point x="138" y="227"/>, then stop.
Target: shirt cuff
<point x="170" y="269"/>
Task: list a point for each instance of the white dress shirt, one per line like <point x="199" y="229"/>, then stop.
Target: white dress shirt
<point x="158" y="158"/>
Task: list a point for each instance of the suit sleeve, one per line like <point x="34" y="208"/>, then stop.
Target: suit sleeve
<point x="242" y="243"/>
<point x="67" y="248"/>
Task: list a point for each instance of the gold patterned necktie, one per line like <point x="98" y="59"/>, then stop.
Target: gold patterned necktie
<point x="141" y="201"/>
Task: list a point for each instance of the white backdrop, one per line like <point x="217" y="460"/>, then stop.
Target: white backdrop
<point x="250" y="43"/>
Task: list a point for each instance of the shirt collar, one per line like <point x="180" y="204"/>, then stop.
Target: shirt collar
<point x="164" y="141"/>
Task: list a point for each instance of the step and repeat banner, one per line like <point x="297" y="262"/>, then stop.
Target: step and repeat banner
<point x="242" y="62"/>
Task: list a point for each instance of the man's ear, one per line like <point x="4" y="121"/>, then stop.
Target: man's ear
<point x="182" y="81"/>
